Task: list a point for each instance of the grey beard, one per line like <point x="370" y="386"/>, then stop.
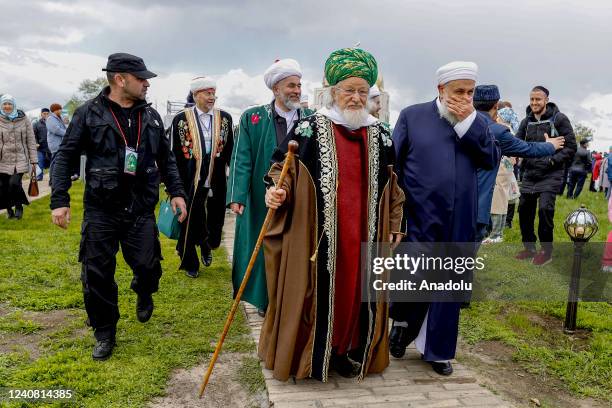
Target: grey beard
<point x="446" y="114"/>
<point x="371" y="107"/>
<point x="290" y="104"/>
<point x="355" y="118"/>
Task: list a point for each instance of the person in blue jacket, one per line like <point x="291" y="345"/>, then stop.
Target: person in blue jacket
<point x="485" y="102"/>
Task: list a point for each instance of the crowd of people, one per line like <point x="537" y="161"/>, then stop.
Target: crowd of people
<point x="21" y="137"/>
<point x="354" y="180"/>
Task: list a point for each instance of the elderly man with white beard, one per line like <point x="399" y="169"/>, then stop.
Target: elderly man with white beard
<point x="341" y="191"/>
<point x="374" y="104"/>
<point x="262" y="129"/>
<point x="439" y="146"/>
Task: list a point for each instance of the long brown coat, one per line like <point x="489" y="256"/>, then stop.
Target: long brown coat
<point x="300" y="265"/>
<point x="17" y="145"/>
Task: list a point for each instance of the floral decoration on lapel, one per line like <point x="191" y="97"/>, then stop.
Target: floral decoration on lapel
<point x="255" y="118"/>
<point x="385" y="136"/>
<point x="304" y="129"/>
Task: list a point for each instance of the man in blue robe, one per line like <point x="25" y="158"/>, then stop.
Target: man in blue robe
<point x="439" y="147"/>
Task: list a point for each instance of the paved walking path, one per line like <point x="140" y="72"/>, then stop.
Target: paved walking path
<point x="407" y="382"/>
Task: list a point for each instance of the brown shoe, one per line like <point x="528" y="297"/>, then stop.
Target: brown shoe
<point x="525" y="254"/>
<point x="542" y="258"/>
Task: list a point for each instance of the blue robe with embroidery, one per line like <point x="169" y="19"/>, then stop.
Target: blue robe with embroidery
<point x="437" y="171"/>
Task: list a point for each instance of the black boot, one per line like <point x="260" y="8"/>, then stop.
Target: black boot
<point x="442" y="368"/>
<point x="207" y="257"/>
<point x="398" y="341"/>
<point x="144" y="308"/>
<point x="10" y="213"/>
<point x="344" y="366"/>
<point x="103" y="349"/>
<point x="18" y="211"/>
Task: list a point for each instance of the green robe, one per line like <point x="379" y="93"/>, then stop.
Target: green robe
<point x="254" y="144"/>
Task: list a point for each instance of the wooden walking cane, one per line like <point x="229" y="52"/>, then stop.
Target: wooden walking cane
<point x="293" y="146"/>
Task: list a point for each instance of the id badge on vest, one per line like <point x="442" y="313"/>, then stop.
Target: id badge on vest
<point x="130" y="162"/>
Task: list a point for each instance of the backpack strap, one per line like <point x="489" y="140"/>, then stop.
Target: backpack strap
<point x="553" y="129"/>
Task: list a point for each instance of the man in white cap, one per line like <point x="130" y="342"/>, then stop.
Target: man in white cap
<point x="202" y="141"/>
<point x="374" y="103"/>
<point x="262" y="128"/>
<point x="441" y="199"/>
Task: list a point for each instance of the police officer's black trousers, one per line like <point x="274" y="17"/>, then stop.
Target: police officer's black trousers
<point x="101" y="234"/>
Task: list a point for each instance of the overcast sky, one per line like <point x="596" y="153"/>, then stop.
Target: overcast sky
<point x="48" y="47"/>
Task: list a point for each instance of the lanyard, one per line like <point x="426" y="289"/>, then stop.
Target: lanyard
<point x="121" y="129"/>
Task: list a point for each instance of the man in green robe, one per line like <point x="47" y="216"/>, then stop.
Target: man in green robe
<point x="261" y="129"/>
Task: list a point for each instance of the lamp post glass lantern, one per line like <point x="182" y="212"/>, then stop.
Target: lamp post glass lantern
<point x="580" y="225"/>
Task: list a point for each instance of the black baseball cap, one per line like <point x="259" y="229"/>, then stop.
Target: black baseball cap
<point x="127" y="63"/>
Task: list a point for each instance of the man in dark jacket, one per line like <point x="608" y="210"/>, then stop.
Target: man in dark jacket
<point x="127" y="155"/>
<point x="485" y="101"/>
<point x="40" y="132"/>
<point x="542" y="177"/>
<point x="579" y="169"/>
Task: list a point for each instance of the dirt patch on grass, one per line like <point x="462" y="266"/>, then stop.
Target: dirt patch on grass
<point x="49" y="322"/>
<point x="223" y="390"/>
<point x="494" y="366"/>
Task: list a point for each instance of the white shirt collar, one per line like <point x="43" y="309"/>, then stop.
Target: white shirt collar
<point x="201" y="112"/>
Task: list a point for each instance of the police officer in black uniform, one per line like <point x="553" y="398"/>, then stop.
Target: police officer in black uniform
<point x="127" y="157"/>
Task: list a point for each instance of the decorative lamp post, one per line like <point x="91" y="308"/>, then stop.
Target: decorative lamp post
<point x="580" y="225"/>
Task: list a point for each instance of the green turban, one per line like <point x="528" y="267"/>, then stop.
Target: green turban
<point x="351" y="62"/>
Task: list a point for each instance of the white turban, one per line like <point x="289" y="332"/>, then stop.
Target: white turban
<point x="280" y="70"/>
<point x="457" y="70"/>
<point x="374" y="92"/>
<point x="203" y="82"/>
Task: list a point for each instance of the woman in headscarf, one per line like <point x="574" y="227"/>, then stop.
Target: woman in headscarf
<point x="17" y="155"/>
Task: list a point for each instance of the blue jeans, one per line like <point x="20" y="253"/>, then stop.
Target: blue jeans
<point x="44" y="161"/>
<point x="576" y="180"/>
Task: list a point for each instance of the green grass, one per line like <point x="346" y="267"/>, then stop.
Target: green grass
<point x="15" y="323"/>
<point x="250" y="375"/>
<point x="39" y="271"/>
<point x="583" y="364"/>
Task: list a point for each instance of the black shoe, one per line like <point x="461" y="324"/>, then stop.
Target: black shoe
<point x="192" y="274"/>
<point x="398" y="341"/>
<point x="261" y="312"/>
<point x="19" y="211"/>
<point x="10" y="213"/>
<point x="344" y="366"/>
<point x="442" y="368"/>
<point x="103" y="349"/>
<point x="144" y="308"/>
<point x="207" y="258"/>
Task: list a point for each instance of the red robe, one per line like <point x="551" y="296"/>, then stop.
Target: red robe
<point x="352" y="231"/>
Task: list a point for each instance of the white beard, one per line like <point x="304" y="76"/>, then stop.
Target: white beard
<point x="355" y="118"/>
<point x="446" y="114"/>
<point x="291" y="105"/>
<point x="372" y="107"/>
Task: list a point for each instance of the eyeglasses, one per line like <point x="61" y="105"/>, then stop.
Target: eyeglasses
<point x="350" y="92"/>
